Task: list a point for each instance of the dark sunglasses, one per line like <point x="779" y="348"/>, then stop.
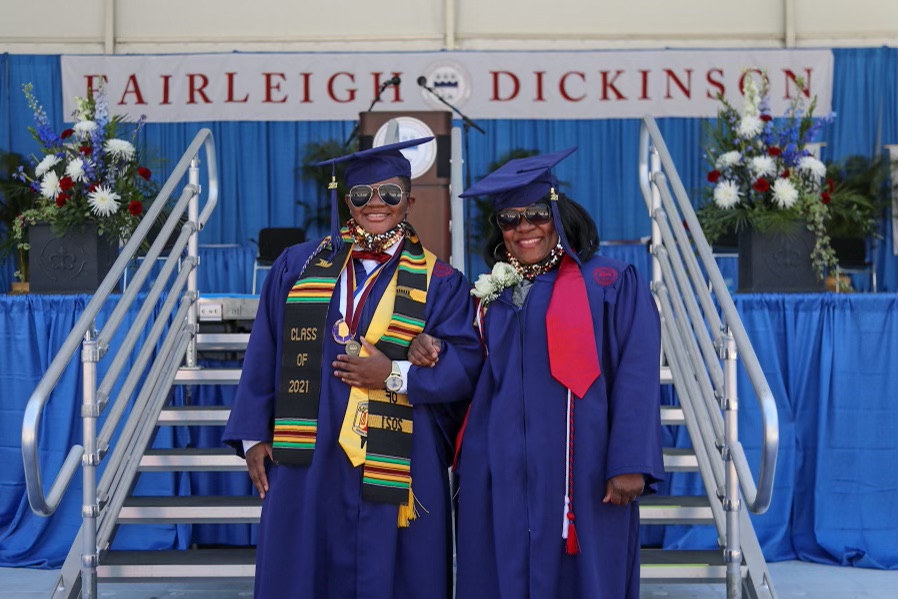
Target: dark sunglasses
<point x="509" y="219"/>
<point x="390" y="193"/>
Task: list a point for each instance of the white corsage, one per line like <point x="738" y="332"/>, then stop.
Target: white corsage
<point x="489" y="287"/>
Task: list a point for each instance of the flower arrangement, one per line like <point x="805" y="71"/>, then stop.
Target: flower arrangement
<point x="89" y="173"/>
<point x="490" y="286"/>
<point x="763" y="174"/>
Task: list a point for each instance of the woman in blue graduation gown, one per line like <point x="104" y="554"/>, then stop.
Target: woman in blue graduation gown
<point x="321" y="534"/>
<point x="564" y="430"/>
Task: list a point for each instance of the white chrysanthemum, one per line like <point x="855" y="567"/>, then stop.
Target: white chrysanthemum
<point x="726" y="194"/>
<point x="784" y="193"/>
<point x="813" y="166"/>
<point x="728" y="159"/>
<point x="750" y="126"/>
<point x="50" y="185"/>
<point x="84" y="128"/>
<point x="762" y="166"/>
<point x="46" y="164"/>
<point x="505" y="275"/>
<point x="103" y="201"/>
<point x="119" y="148"/>
<point x="75" y="170"/>
<point x="483" y="287"/>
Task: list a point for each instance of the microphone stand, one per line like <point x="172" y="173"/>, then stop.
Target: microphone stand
<point x="467" y="124"/>
<point x="355" y="129"/>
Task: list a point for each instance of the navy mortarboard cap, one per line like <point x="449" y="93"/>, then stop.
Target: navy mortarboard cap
<point x="523" y="181"/>
<point x="365" y="167"/>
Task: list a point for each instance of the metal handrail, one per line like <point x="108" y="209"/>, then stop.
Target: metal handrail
<point x="656" y="184"/>
<point x="83" y="330"/>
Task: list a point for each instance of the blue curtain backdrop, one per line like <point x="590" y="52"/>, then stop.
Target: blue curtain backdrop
<point x="259" y="162"/>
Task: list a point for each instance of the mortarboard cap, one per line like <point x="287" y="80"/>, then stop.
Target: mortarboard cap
<point x="365" y="167"/>
<point x="521" y="182"/>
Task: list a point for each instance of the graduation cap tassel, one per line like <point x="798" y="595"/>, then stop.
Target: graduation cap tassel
<point x="556" y="218"/>
<point x="336" y="238"/>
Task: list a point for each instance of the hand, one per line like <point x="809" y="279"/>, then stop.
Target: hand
<point x="255" y="463"/>
<point x="366" y="373"/>
<point x="424" y="351"/>
<point x="624" y="488"/>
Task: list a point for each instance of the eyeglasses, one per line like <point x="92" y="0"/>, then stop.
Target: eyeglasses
<point x="509" y="219"/>
<point x="390" y="193"/>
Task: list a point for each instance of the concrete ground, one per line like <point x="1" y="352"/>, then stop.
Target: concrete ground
<point x="792" y="580"/>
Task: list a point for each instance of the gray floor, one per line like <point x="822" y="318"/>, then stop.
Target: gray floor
<point x="793" y="580"/>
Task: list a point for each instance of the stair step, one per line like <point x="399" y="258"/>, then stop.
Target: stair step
<point x="136" y="566"/>
<point x="222" y="341"/>
<point x="207" y="376"/>
<point x="679" y="460"/>
<point x="194" y="416"/>
<point x="672" y="415"/>
<point x="194" y="509"/>
<point x="196" y="460"/>
<point x="666" y="375"/>
<point x="683" y="566"/>
<point x="677" y="509"/>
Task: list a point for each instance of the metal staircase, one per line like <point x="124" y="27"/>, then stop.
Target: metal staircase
<point x="702" y="340"/>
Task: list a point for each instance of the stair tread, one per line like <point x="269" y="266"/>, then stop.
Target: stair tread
<point x="211" y="501"/>
<point x="230" y="556"/>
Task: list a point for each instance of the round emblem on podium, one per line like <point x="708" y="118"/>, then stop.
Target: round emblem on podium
<point x="421" y="156"/>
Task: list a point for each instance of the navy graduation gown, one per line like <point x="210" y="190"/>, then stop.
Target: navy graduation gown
<point x="317" y="538"/>
<point x="512" y="462"/>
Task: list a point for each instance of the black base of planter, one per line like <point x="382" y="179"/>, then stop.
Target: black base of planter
<point x="777" y="261"/>
<point x="76" y="263"/>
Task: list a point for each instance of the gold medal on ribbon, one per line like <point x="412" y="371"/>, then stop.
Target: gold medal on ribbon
<point x="341" y="333"/>
<point x="353" y="348"/>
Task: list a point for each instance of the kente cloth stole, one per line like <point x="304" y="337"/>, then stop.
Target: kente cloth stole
<point x="377" y="426"/>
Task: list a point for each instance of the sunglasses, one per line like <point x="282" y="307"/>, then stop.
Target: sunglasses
<point x="390" y="193"/>
<point x="509" y="220"/>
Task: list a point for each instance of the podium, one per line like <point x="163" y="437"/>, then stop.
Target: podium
<point x="430" y="214"/>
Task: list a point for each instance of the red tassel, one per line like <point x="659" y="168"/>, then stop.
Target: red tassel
<point x="573" y="544"/>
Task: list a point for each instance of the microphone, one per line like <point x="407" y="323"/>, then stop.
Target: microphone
<point x="389" y="82"/>
<point x="422" y="81"/>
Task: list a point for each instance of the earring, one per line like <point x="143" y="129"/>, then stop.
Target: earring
<point x="496" y="251"/>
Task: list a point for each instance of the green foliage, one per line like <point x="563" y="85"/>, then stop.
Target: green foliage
<point x="318" y="210"/>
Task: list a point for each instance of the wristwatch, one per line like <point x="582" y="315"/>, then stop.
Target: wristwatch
<point x="394" y="381"/>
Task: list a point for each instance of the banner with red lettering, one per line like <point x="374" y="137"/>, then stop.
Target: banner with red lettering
<point x="482" y="85"/>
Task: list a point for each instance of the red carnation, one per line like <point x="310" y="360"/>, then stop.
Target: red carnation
<point x="144" y="172"/>
<point x="714" y="176"/>
<point x="61" y="199"/>
<point x="766" y="118"/>
<point x="66" y="183"/>
<point x="825" y="197"/>
<point x="774" y="151"/>
<point x="86" y="150"/>
<point x="761" y="185"/>
<point x="67" y="133"/>
<point x="785" y="174"/>
<point x="135" y="208"/>
<point x="92" y="188"/>
<point x="830" y="185"/>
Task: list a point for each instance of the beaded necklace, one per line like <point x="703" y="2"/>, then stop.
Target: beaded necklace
<point x="379" y="242"/>
<point x="531" y="271"/>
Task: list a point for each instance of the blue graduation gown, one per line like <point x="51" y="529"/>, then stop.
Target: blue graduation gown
<point x="317" y="537"/>
<point x="512" y="462"/>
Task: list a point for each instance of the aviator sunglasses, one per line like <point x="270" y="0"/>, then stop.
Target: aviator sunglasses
<point x="390" y="193"/>
<point x="538" y="214"/>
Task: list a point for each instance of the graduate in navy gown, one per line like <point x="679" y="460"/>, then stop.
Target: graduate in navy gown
<point x="564" y="432"/>
<point x="347" y="443"/>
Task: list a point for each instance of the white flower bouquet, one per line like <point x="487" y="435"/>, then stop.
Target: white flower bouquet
<point x="762" y="173"/>
<point x="490" y="286"/>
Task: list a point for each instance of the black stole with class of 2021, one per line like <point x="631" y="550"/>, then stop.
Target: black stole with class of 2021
<point x="383" y="420"/>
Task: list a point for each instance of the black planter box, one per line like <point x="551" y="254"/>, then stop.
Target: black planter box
<point x="777" y="261"/>
<point x="75" y="263"/>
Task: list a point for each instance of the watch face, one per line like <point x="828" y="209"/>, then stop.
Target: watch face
<point x="420" y="157"/>
<point x="394" y="383"/>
